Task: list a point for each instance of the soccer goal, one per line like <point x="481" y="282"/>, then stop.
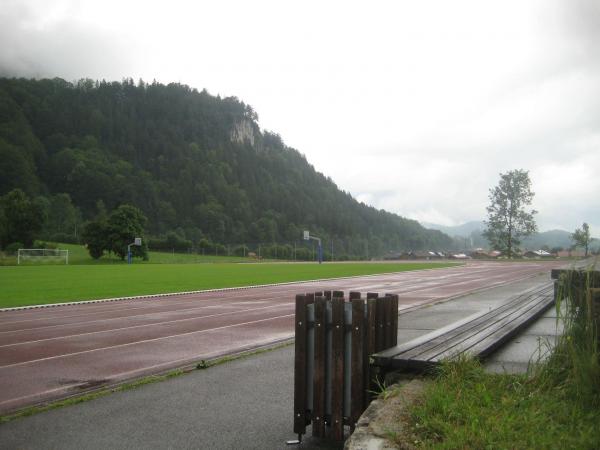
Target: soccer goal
<point x="42" y="255"/>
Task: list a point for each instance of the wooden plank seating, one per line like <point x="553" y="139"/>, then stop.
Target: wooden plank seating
<point x="477" y="336"/>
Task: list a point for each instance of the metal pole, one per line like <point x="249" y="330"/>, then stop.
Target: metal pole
<point x="320" y="252"/>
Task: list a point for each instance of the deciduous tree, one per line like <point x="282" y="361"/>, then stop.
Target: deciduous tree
<point x="582" y="237"/>
<point x="508" y="220"/>
<point x="21" y="220"/>
<point x="125" y="224"/>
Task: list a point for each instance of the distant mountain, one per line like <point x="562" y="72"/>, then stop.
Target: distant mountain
<point x="551" y="239"/>
<point x="472" y="231"/>
<point x="463" y="230"/>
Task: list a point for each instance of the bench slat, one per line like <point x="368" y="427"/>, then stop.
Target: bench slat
<point x="478" y="345"/>
<point x="479" y="335"/>
<point x="480" y="327"/>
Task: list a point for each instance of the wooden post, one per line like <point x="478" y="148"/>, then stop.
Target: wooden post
<point x="370" y="343"/>
<point x="360" y="362"/>
<point x="354" y="295"/>
<point x="337" y="294"/>
<point x="327" y="295"/>
<point x="300" y="366"/>
<point x="318" y="412"/>
<point x="395" y="300"/>
<point x="337" y="379"/>
<point x="387" y="308"/>
<point x="380" y="319"/>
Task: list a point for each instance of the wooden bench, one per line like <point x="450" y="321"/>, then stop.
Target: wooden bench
<point x="477" y="336"/>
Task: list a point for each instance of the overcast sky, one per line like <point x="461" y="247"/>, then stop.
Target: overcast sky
<point x="412" y="106"/>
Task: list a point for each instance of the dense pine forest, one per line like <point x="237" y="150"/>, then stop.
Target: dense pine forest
<point x="198" y="166"/>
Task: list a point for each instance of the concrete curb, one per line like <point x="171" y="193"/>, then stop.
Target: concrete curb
<point x="382" y="420"/>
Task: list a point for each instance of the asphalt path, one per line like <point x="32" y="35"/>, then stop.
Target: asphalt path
<point x="244" y="404"/>
<point x="50" y="353"/>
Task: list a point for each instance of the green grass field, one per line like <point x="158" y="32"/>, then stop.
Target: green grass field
<point x="31" y="285"/>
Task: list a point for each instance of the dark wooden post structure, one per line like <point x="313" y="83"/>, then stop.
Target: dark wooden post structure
<point x="318" y="413"/>
<point x="339" y="351"/>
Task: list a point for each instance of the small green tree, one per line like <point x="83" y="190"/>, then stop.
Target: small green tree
<point x="125" y="223"/>
<point x="582" y="238"/>
<point x="21" y="219"/>
<point x="95" y="237"/>
<point x="508" y="221"/>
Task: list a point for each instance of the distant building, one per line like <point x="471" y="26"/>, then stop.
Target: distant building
<point x="538" y="254"/>
<point x="480" y="253"/>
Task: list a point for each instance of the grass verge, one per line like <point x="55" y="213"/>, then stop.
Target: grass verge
<point x="31" y="285"/>
<point x="467" y="408"/>
<point x="202" y="365"/>
<point x="555" y="405"/>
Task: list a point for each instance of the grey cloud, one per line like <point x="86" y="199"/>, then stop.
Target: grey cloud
<point x="65" y="49"/>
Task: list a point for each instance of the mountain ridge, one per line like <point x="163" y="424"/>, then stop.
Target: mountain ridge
<point x="197" y="165"/>
<point x="555" y="238"/>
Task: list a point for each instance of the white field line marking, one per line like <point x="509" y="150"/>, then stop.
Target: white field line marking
<point x="217" y="304"/>
<point x="287" y="305"/>
<point x="143" y="341"/>
<point x="122" y="308"/>
<point x="425" y="284"/>
<point x="151" y="369"/>
<point x="168" y="308"/>
<point x="414" y="276"/>
<point x="166" y="294"/>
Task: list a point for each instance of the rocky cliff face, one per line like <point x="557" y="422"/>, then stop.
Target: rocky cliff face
<point x="243" y="131"/>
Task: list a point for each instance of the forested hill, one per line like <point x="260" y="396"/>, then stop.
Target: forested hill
<point x="195" y="164"/>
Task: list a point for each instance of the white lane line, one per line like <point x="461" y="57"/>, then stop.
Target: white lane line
<point x="217" y="304"/>
<point x="284" y="290"/>
<point x="393" y="276"/>
<point x="142" y="342"/>
<point x="124" y="376"/>
<point x="286" y="305"/>
<point x="238" y="288"/>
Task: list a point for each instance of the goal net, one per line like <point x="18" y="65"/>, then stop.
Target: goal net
<point x="42" y="256"/>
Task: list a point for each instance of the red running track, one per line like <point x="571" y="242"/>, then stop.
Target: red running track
<point x="49" y="353"/>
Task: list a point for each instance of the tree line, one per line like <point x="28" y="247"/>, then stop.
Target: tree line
<point x="171" y="151"/>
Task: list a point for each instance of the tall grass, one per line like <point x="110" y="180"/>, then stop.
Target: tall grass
<point x="575" y="362"/>
<point x="555" y="405"/>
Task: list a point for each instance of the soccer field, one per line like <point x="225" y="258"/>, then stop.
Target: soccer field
<point x="33" y="285"/>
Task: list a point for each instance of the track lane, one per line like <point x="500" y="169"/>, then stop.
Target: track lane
<point x="52" y="352"/>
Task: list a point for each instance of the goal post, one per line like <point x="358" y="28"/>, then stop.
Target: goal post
<point x="42" y="255"/>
